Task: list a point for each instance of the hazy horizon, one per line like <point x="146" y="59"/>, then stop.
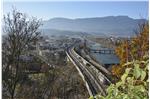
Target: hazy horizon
<point x="74" y="10"/>
<point x="93" y="17"/>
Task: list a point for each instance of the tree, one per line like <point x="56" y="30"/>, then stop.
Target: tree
<point x="20" y="32"/>
<point x="132" y="49"/>
<point x="134" y="82"/>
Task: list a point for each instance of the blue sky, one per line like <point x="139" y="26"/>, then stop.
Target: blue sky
<point x="47" y="10"/>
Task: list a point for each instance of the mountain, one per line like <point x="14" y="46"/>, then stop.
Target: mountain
<point x="55" y="32"/>
<point x="110" y="25"/>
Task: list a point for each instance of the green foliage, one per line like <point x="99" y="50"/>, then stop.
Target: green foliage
<point x="133" y="83"/>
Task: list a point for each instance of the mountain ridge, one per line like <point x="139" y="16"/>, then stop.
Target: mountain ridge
<point x="109" y="25"/>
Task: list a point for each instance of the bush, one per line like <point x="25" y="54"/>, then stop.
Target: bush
<point x="132" y="49"/>
<point x="133" y="84"/>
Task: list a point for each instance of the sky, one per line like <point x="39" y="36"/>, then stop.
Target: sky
<point x="47" y="10"/>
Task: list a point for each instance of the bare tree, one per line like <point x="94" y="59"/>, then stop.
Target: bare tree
<point x="19" y="31"/>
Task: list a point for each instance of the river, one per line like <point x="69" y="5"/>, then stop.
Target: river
<point x="106" y="59"/>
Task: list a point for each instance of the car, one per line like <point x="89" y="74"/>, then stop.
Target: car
<point x="87" y="64"/>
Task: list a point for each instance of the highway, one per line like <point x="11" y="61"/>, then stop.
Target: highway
<point x="42" y="58"/>
<point x="101" y="72"/>
<point x="95" y="81"/>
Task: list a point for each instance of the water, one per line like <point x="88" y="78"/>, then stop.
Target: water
<point x="106" y="58"/>
<point x="103" y="58"/>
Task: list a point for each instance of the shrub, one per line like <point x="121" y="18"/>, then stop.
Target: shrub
<point x="133" y="84"/>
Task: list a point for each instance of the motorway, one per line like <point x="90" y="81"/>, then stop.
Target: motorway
<point x="42" y="58"/>
<point x="95" y="81"/>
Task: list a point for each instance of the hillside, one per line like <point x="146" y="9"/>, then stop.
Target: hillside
<point x="110" y="25"/>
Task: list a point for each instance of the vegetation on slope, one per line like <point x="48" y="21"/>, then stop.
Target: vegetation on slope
<point x="133" y="68"/>
<point x="132" y="49"/>
<point x="133" y="84"/>
<point x="34" y="79"/>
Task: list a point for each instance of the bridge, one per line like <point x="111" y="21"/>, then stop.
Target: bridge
<point x="96" y="82"/>
<point x="102" y="51"/>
